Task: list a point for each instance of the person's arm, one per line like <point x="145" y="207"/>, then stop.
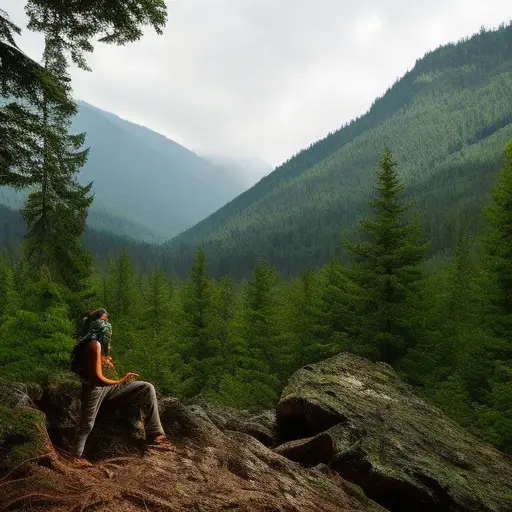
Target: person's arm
<point x="95" y="353"/>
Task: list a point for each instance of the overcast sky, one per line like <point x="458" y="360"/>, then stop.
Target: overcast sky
<point x="265" y="78"/>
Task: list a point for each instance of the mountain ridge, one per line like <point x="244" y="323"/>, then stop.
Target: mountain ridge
<point x="145" y="184"/>
<point x="294" y="215"/>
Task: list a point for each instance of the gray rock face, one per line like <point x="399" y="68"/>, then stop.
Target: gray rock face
<point x="404" y="453"/>
<point x="14" y="394"/>
<point x="310" y="451"/>
<point x="261" y="426"/>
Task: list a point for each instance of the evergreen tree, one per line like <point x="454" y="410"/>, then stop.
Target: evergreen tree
<point x="159" y="313"/>
<point x="260" y="327"/>
<point x="56" y="210"/>
<point x="331" y="313"/>
<point x="498" y="252"/>
<point x="197" y="346"/>
<point x="120" y="290"/>
<point x="224" y="356"/>
<point x="451" y="364"/>
<point x="387" y="271"/>
<point x="299" y="318"/>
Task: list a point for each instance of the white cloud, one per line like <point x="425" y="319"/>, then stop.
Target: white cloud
<point x="267" y="77"/>
<point x="367" y="29"/>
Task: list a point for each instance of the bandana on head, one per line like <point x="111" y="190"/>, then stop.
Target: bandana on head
<point x="101" y="330"/>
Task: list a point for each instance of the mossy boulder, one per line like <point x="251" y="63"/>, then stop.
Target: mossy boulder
<point x="14" y="394"/>
<point x="60" y="402"/>
<point x="23" y="438"/>
<point x="403" y="452"/>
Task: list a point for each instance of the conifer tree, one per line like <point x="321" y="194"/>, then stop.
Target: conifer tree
<point x="159" y="313"/>
<point x="332" y="313"/>
<point x="299" y="318"/>
<point x="260" y="327"/>
<point x="224" y="350"/>
<point x="121" y="290"/>
<point x="56" y="210"/>
<point x="387" y="271"/>
<point x="197" y="348"/>
<point x="498" y="252"/>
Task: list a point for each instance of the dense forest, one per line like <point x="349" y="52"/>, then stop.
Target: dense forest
<point x="447" y="121"/>
<point x="446" y="328"/>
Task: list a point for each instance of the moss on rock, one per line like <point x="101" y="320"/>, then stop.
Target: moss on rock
<point x="403" y="452"/>
<point x="23" y="437"/>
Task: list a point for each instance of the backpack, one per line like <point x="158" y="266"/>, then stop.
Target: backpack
<point x="76" y="357"/>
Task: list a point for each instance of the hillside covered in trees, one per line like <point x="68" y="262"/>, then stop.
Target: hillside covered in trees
<point x="446" y="121"/>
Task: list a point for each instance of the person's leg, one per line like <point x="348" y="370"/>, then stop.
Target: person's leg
<point x="91" y="397"/>
<point x="142" y="393"/>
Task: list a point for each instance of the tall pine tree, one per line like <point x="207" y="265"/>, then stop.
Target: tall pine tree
<point x="387" y="271"/>
<point x="498" y="260"/>
<point x="56" y="210"/>
<point x="197" y="349"/>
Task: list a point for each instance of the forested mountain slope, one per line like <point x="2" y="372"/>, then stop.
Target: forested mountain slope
<point x="100" y="243"/>
<point x="446" y="121"/>
<point x="146" y="186"/>
<point x="142" y="176"/>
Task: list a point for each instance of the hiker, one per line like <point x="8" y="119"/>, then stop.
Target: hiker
<point x="88" y="357"/>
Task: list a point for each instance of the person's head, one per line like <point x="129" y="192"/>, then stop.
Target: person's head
<point x="99" y="314"/>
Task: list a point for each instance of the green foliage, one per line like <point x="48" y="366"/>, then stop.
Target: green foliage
<point x="116" y="22"/>
<point x="9" y="301"/>
<point x="36" y="339"/>
<point x="387" y="272"/>
<point x="22" y="437"/>
<point x="498" y="268"/>
<point x="330" y="313"/>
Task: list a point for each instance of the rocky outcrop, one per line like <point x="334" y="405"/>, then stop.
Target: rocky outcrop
<point x="404" y="453"/>
<point x="262" y="426"/>
<point x="210" y="470"/>
<point x="349" y="435"/>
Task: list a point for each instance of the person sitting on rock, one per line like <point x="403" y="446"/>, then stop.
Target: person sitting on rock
<point x="96" y="388"/>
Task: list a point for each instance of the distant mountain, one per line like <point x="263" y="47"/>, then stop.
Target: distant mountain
<point x="145" y="178"/>
<point x="146" y="186"/>
<point x="446" y="121"/>
<point x="247" y="171"/>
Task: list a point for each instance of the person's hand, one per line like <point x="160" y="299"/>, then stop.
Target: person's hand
<point x="130" y="376"/>
<point x="107" y="361"/>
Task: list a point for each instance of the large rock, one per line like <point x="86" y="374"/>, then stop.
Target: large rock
<point x="404" y="453"/>
<point x="24" y="441"/>
<point x="310" y="451"/>
<point x="261" y="426"/>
